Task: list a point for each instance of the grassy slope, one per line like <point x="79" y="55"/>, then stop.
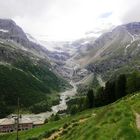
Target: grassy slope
<point x="29" y="86"/>
<point x="16" y="83"/>
<point x="115" y="121"/>
<point x="41" y="71"/>
<point x="24" y="75"/>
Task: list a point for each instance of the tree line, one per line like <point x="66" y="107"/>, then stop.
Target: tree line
<point x="114" y="89"/>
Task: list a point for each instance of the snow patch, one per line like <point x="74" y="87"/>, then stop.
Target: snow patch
<point x="133" y="37"/>
<point x="127" y="46"/>
<point x="32" y="39"/>
<point x="1" y="42"/>
<point x="24" y="49"/>
<point x="132" y="40"/>
<point x="84" y="43"/>
<point x="4" y="63"/>
<point x="5" y="31"/>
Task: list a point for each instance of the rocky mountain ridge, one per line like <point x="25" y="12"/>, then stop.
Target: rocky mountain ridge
<point x="114" y="50"/>
<point x="12" y="33"/>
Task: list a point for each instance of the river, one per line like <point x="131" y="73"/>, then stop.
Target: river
<point x="63" y="99"/>
<point x="61" y="106"/>
<point x="64" y="96"/>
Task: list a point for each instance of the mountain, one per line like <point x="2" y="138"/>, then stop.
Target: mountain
<point x="114" y="106"/>
<point x="11" y="32"/>
<point x="25" y="71"/>
<point x="115" y="50"/>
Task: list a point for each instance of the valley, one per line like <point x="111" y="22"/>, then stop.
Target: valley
<point x="64" y="97"/>
<point x="82" y="87"/>
<point x="70" y="73"/>
<point x="69" y="70"/>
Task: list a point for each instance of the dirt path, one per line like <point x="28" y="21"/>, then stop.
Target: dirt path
<point x="58" y="133"/>
<point x="55" y="134"/>
<point x="138" y="120"/>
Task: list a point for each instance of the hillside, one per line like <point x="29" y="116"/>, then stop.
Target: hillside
<point x="115" y="121"/>
<point x="115" y="50"/>
<point x="12" y="33"/>
<point x="25" y="72"/>
<point x="111" y="53"/>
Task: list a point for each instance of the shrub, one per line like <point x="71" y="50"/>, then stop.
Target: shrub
<point x="66" y="125"/>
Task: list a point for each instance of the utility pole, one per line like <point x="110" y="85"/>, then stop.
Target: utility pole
<point x="17" y="118"/>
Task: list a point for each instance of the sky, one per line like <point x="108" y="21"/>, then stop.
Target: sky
<point x="65" y="20"/>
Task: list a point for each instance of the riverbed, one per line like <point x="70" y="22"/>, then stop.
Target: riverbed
<point x="64" y="96"/>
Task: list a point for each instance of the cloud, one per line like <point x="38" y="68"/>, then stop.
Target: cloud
<point x="68" y="19"/>
<point x="106" y="15"/>
<point x="22" y="8"/>
<point x="132" y="12"/>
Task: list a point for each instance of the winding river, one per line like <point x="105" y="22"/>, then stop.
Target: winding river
<point x="63" y="99"/>
<point x="64" y="96"/>
<point x="61" y="106"/>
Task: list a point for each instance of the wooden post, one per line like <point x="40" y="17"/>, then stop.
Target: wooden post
<point x="17" y="118"/>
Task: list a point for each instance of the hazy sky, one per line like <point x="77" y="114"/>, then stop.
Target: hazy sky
<point x="68" y="19"/>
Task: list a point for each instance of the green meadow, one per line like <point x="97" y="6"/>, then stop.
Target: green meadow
<point x="116" y="121"/>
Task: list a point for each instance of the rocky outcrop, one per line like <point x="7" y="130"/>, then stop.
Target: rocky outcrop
<point x="11" y="32"/>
